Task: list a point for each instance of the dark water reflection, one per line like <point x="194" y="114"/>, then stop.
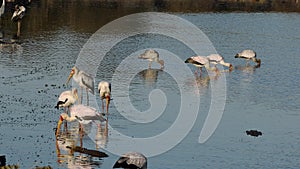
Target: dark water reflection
<point x="88" y="16"/>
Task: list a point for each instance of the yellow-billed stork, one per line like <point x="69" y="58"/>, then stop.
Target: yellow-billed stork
<point x="199" y="62"/>
<point x="2" y="8"/>
<point x="131" y="160"/>
<point x="81" y="113"/>
<point x="104" y="89"/>
<point x="152" y="56"/>
<point x="18" y="13"/>
<point x="248" y="55"/>
<point x="83" y="80"/>
<point x="218" y="59"/>
<point x="17" y="17"/>
<point x="67" y="98"/>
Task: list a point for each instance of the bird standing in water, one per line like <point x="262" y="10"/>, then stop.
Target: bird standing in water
<point x="83" y="114"/>
<point x="218" y="59"/>
<point x="152" y="56"/>
<point x="67" y="98"/>
<point x="83" y="80"/>
<point x="104" y="89"/>
<point x="199" y="62"/>
<point x="2" y="8"/>
<point x="248" y="55"/>
<point x="18" y="16"/>
<point x="132" y="160"/>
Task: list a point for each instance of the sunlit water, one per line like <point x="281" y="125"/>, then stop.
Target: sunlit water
<point x="266" y="98"/>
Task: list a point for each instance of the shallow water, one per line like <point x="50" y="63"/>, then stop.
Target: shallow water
<point x="265" y="98"/>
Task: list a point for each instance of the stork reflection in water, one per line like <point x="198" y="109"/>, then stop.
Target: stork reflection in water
<point x="152" y="56"/>
<point x="247" y="68"/>
<point x="150" y="76"/>
<point x="102" y="135"/>
<point x="68" y="154"/>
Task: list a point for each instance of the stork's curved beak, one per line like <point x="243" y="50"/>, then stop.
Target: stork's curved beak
<point x="70" y="76"/>
<point x="230" y="68"/>
<point x="58" y="125"/>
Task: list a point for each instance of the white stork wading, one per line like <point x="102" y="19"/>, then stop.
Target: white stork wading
<point x="199" y="62"/>
<point x="18" y="16"/>
<point x="67" y="98"/>
<point x="18" y="13"/>
<point x="82" y="114"/>
<point x="152" y="56"/>
<point x="2" y="8"/>
<point x="131" y="160"/>
<point x="83" y="80"/>
<point x="218" y="59"/>
<point x="104" y="89"/>
<point x="248" y="55"/>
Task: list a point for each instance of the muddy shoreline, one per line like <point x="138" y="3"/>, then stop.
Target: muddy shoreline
<point x="204" y="6"/>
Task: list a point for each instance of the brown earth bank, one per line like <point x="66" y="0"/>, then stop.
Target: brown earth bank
<point x="184" y="5"/>
<point x="90" y="15"/>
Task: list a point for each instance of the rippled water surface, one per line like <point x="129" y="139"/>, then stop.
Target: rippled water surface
<point x="34" y="72"/>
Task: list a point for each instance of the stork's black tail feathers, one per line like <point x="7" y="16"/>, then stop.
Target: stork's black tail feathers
<point x="189" y="60"/>
<point x="60" y="102"/>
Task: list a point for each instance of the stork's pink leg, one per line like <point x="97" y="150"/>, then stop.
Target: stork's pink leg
<point x="81" y="91"/>
<point x="102" y="106"/>
<point x="81" y="134"/>
<point x="217" y="70"/>
<point x="200" y="71"/>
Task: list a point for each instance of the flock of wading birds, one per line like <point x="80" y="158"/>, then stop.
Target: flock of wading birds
<point x="85" y="114"/>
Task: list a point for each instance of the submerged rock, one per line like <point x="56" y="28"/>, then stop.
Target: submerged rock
<point x="254" y="133"/>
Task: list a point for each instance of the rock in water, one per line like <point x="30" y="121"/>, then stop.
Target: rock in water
<point x="254" y="133"/>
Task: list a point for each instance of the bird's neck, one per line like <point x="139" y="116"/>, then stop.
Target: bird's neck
<point x="75" y="76"/>
<point x="207" y="66"/>
<point x="70" y="119"/>
<point x="225" y="63"/>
